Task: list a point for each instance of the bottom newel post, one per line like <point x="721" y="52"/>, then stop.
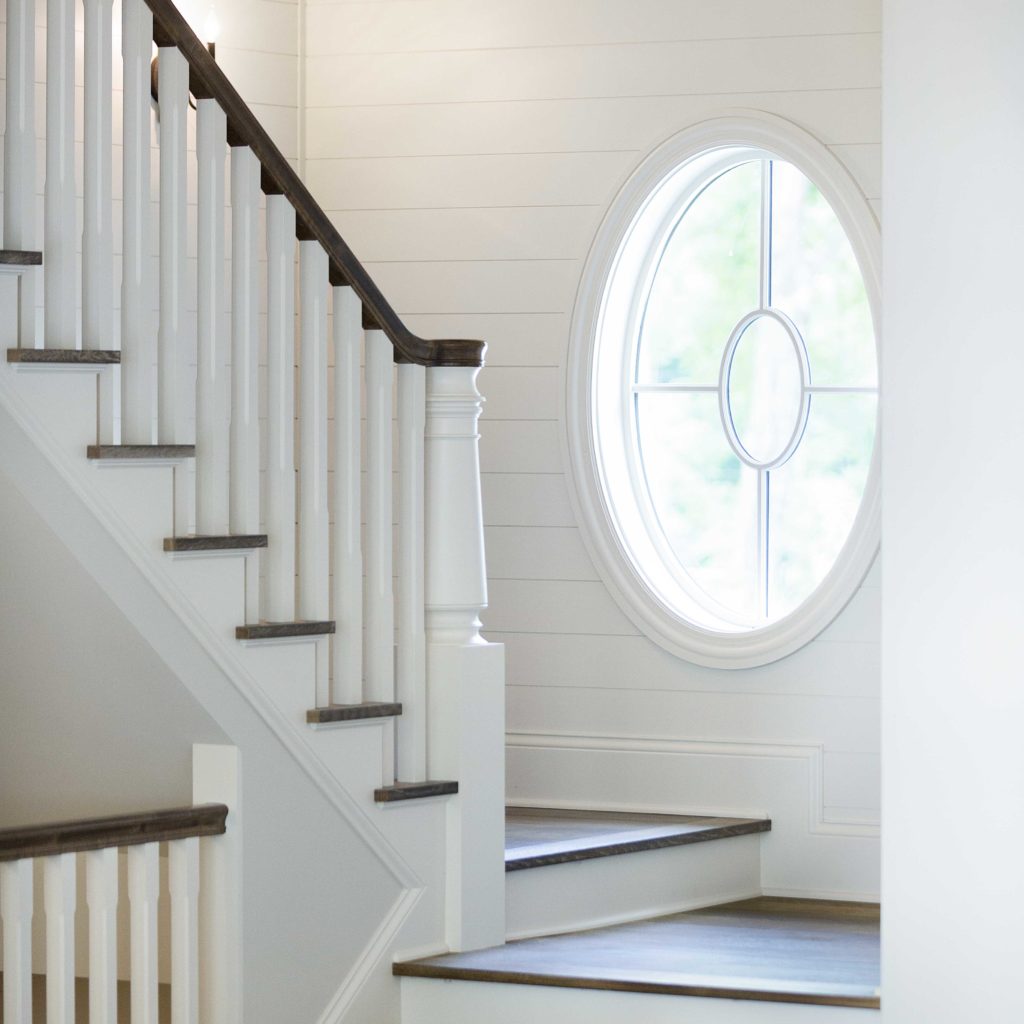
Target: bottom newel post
<point x="465" y="674"/>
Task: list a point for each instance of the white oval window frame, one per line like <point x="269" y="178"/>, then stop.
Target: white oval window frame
<point x="610" y="542"/>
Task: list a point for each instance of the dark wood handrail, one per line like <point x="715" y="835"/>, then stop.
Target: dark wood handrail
<point x="116" y="830"/>
<point x="208" y="81"/>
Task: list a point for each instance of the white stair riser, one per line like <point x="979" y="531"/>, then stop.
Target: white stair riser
<point x="68" y="394"/>
<point x="430" y="1001"/>
<point x="143" y="496"/>
<point x="628" y="887"/>
<point x="215" y="584"/>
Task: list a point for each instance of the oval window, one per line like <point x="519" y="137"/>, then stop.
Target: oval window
<point x="730" y="369"/>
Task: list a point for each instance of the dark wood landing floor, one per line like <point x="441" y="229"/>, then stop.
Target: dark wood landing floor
<point x="778" y="950"/>
<point x="537" y="837"/>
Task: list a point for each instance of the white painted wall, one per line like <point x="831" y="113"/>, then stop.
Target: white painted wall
<point x="467" y="150"/>
<point x="65" y="698"/>
<point x="953" y="504"/>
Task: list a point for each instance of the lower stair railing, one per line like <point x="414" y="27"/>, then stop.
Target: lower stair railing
<point x="56" y="848"/>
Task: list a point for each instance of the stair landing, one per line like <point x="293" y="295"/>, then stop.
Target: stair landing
<point x="767" y="949"/>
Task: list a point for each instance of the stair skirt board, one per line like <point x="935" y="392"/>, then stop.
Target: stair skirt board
<point x="429" y="1001"/>
<point x="608" y="890"/>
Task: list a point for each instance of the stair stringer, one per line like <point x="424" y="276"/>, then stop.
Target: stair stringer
<point x="56" y="484"/>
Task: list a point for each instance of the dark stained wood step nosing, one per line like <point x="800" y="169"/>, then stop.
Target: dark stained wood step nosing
<point x="624" y="846"/>
<point x="20" y="258"/>
<point x="352" y="712"/>
<point x="64" y="356"/>
<point x="855" y="996"/>
<point x="414" y="791"/>
<point x="112" y="452"/>
<point x="282" y="630"/>
<point x="211" y="543"/>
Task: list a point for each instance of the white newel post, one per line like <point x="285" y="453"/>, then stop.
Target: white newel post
<point x="465" y="674"/>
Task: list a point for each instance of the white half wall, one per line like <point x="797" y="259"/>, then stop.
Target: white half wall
<point x="953" y="644"/>
<point x="468" y="150"/>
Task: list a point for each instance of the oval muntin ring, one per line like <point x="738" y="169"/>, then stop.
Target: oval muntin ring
<point x="724" y="409"/>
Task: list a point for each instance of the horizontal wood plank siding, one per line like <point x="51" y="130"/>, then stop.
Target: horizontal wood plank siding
<point x="469" y="150"/>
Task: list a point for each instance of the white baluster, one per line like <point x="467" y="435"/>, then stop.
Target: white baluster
<point x="143" y="890"/>
<point x="16" y="911"/>
<point x="101" y="895"/>
<point x="59" y="208"/>
<point x="245" y="349"/>
<point x="20" y="154"/>
<point x="138" y="351"/>
<point x="212" y="389"/>
<point x="183" y="881"/>
<point x="97" y="227"/>
<point x="279" y="595"/>
<point x="97" y="234"/>
<point x="314" y="556"/>
<point x="173" y="333"/>
<point x="59" y="900"/>
<point x="380" y="607"/>
<point x="347" y="608"/>
<point x="411" y="677"/>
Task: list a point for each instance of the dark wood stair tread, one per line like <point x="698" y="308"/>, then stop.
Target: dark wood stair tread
<point x="540" y="836"/>
<point x="414" y="791"/>
<point x="282" y="630"/>
<point x="231" y="542"/>
<point x="64" y="356"/>
<point x="20" y="258"/>
<point x="352" y="712"/>
<point x="141" y="451"/>
<point x="778" y="950"/>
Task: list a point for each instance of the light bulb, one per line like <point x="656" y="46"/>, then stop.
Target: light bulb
<point x="212" y="27"/>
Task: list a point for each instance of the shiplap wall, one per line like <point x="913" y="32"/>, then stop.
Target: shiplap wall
<point x="468" y="150"/>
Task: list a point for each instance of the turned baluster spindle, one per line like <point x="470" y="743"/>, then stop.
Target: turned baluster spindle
<point x="279" y="583"/>
<point x="138" y="348"/>
<point x="347" y="593"/>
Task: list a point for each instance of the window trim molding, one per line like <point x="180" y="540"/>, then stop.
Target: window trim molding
<point x="614" y="563"/>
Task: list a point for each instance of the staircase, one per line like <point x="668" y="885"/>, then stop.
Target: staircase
<point x="255" y="457"/>
<point x="273" y="478"/>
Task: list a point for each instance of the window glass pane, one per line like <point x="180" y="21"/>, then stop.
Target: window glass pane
<point x="707" y="280"/>
<point x="815" y="496"/>
<point x="765" y="389"/>
<point x="704" y="496"/>
<point x="817" y="283"/>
